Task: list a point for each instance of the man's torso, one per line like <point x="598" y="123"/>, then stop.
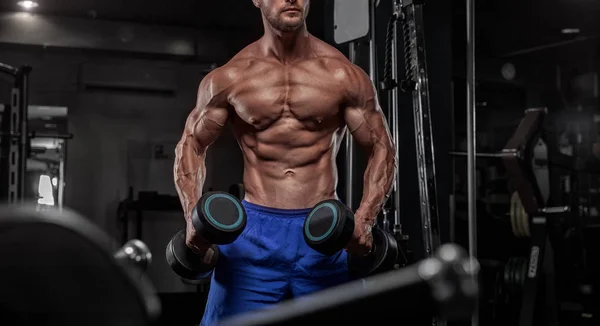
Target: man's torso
<point x="289" y="123"/>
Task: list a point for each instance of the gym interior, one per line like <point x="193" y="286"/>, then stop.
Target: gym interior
<point x="493" y="107"/>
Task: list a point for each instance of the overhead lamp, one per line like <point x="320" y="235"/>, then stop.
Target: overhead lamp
<point x="27" y="4"/>
<point x="570" y="31"/>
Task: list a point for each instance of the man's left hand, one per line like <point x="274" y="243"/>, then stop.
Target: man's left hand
<point x="362" y="239"/>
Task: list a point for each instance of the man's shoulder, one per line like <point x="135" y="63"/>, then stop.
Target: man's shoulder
<point x="335" y="60"/>
<point x="227" y="73"/>
<point x="327" y="52"/>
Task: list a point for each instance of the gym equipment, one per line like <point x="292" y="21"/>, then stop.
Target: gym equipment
<point x="519" y="220"/>
<point x="351" y="20"/>
<point x="218" y="218"/>
<point x="515" y="272"/>
<point x="530" y="219"/>
<point x="410" y="14"/>
<point x="59" y="269"/>
<point x="517" y="158"/>
<point x="16" y="148"/>
<point x="389" y="83"/>
<point x="136" y="254"/>
<point x="416" y="82"/>
<point x="329" y="227"/>
<point x="443" y="285"/>
<point x="16" y="138"/>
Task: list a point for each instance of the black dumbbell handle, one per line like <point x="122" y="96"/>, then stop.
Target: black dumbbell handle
<point x="185" y="262"/>
<point x="371" y="252"/>
<point x="198" y="251"/>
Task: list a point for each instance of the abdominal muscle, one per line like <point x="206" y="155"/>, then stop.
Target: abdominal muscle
<point x="289" y="169"/>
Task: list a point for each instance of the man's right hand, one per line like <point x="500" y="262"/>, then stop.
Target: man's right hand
<point x="196" y="243"/>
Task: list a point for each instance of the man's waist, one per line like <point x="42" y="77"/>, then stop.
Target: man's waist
<point x="273" y="211"/>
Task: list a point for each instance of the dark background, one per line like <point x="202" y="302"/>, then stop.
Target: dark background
<point x="128" y="72"/>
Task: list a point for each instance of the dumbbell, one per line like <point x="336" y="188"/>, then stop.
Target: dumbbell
<point x="219" y="219"/>
<point x="329" y="227"/>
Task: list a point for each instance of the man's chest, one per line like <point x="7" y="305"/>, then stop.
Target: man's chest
<point x="306" y="93"/>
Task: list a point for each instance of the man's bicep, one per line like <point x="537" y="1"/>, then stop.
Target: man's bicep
<point x="208" y="124"/>
<point x="208" y="119"/>
<point x="367" y="125"/>
<point x="363" y="114"/>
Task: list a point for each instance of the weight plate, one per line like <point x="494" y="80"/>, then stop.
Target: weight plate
<point x="513" y="214"/>
<point x="328" y="227"/>
<point x="383" y="257"/>
<point x="525" y="223"/>
<point x="186" y="263"/>
<point x="219" y="217"/>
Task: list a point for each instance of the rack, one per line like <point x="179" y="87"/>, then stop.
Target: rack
<point x="146" y="201"/>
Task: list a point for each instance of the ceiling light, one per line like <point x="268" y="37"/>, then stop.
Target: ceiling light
<point x="570" y="31"/>
<point x="27" y="4"/>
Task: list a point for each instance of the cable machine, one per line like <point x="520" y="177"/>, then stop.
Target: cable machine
<point x="410" y="15"/>
<point x="15" y="139"/>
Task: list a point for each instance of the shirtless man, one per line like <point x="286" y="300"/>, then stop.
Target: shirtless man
<point x="290" y="98"/>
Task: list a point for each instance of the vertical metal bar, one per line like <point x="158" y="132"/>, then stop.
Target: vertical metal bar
<point x="61" y="176"/>
<point x="372" y="43"/>
<point x="471" y="133"/>
<point x="452" y="200"/>
<point x="139" y="221"/>
<point x="350" y="148"/>
<point x="23" y="81"/>
<point x="14" y="149"/>
<point x="395" y="122"/>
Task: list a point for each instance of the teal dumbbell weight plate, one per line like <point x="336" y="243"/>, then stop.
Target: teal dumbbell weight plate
<point x="328" y="229"/>
<point x="218" y="218"/>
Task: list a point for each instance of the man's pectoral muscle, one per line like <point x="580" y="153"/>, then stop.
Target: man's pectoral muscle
<point x="203" y="126"/>
<point x="367" y="124"/>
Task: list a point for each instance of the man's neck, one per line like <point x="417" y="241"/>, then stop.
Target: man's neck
<point x="286" y="46"/>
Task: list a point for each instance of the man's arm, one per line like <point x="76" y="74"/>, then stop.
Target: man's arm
<point x="203" y="126"/>
<point x="368" y="126"/>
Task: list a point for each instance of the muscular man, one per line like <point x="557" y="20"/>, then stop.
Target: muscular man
<point x="289" y="98"/>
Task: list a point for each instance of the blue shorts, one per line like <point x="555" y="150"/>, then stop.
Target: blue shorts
<point x="268" y="263"/>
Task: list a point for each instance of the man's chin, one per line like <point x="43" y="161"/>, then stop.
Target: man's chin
<point x="290" y="27"/>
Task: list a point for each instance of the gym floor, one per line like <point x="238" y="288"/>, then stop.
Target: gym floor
<point x="176" y="308"/>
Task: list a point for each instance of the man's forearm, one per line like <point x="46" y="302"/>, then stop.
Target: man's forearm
<point x="189" y="173"/>
<point x="378" y="180"/>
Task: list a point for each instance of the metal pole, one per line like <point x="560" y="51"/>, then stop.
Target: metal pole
<point x="61" y="176"/>
<point x="24" y="139"/>
<point x="471" y="134"/>
<point x="395" y="124"/>
<point x="350" y="148"/>
<point x="372" y="43"/>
